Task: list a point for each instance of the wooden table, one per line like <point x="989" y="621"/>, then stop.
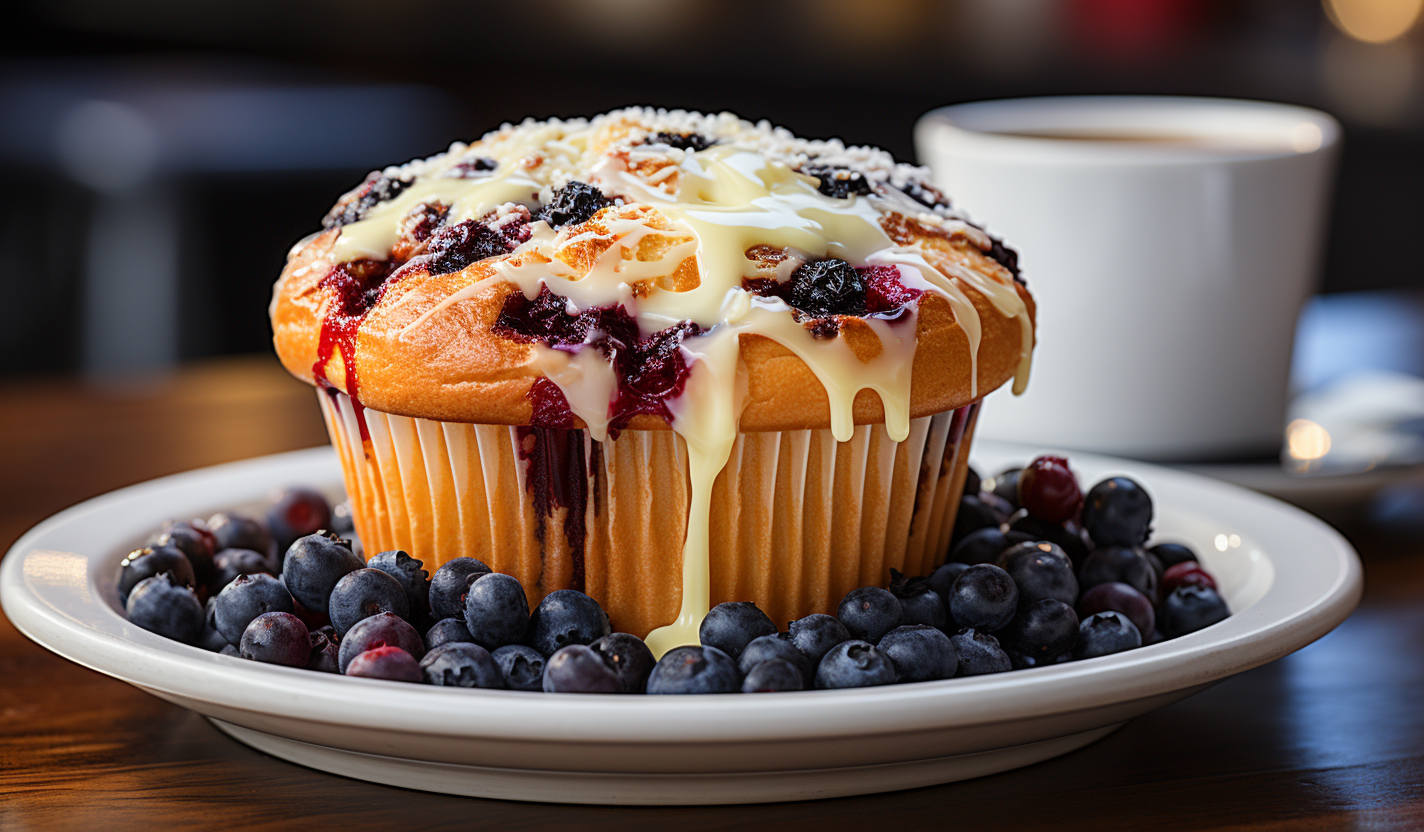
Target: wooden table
<point x="1330" y="737"/>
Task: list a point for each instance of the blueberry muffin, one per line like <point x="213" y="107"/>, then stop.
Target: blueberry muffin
<point x="664" y="358"/>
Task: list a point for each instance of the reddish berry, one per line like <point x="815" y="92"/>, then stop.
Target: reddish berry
<point x="1187" y="573"/>
<point x="1048" y="489"/>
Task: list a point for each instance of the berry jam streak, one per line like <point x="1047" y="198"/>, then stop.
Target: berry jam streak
<point x="557" y="477"/>
<point x="355" y="287"/>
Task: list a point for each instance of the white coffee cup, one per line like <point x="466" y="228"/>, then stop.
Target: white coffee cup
<point x="1169" y="243"/>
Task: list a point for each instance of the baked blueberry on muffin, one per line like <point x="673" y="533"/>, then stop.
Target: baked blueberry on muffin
<point x="664" y="358"/>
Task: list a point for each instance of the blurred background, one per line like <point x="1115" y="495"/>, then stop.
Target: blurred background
<point x="164" y="155"/>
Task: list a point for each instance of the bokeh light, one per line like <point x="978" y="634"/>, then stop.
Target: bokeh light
<point x="1374" y="21"/>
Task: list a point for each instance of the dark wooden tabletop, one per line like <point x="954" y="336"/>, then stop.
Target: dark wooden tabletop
<point x="1330" y="737"/>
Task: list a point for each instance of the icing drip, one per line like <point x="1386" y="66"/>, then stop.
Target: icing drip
<point x="640" y="309"/>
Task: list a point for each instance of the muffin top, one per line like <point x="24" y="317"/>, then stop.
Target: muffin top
<point x="648" y="269"/>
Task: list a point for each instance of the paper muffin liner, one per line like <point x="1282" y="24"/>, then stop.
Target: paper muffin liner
<point x="798" y="519"/>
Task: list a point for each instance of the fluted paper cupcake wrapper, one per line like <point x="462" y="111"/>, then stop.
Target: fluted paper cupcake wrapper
<point x="798" y="519"/>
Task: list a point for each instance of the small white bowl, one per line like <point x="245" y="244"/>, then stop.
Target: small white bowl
<point x="1288" y="577"/>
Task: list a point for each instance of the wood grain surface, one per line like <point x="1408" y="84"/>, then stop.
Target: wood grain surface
<point x="1331" y="737"/>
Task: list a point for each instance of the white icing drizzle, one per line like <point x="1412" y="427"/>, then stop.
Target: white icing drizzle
<point x="711" y="205"/>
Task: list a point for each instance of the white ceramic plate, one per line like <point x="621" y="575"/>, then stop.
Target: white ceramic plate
<point x="1288" y="577"/>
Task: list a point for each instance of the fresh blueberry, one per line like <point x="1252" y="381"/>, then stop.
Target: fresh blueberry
<point x="153" y="560"/>
<point x="1187" y="573"/>
<point x="1104" y="633"/>
<point x="449" y="585"/>
<point x="448" y="631"/>
<point x="919" y="653"/>
<point x="194" y="540"/>
<point x="870" y="612"/>
<point x="312" y="566"/>
<point x="210" y="638"/>
<point x="1190" y="608"/>
<point x="240" y="530"/>
<point x="1115" y="596"/>
<point x="972" y="481"/>
<point x="276" y="638"/>
<point x="1040" y="570"/>
<point x="343" y="522"/>
<point x="983" y="597"/>
<point x="1126" y="564"/>
<point x="297" y="513"/>
<point x="1028" y="661"/>
<point x="1025" y="528"/>
<point x="924" y="607"/>
<point x="979" y="653"/>
<point x="942" y="579"/>
<point x="386" y="662"/>
<point x="1042" y="630"/>
<point x="816" y="634"/>
<point x="229" y="563"/>
<point x="577" y="669"/>
<point x="1005" y="485"/>
<point x="565" y="617"/>
<point x="854" y="664"/>
<point x="980" y="546"/>
<point x="628" y="657"/>
<point x="693" y="669"/>
<point x="461" y="665"/>
<point x="1048" y="489"/>
<point x="1118" y="512"/>
<point x="731" y="626"/>
<point x="380" y="630"/>
<point x="325" y="647"/>
<point x="1171" y="554"/>
<point x="496" y="611"/>
<point x="247" y="597"/>
<point x="772" y="676"/>
<point x="412" y="578"/>
<point x="766" y="648"/>
<point x="522" y="666"/>
<point x="362" y="594"/>
<point x="975" y="513"/>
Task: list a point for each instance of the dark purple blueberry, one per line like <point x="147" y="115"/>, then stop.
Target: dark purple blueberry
<point x="1004" y="256"/>
<point x="1040" y="570"/>
<point x="229" y="563"/>
<point x="980" y="546"/>
<point x="521" y="666"/>
<point x="816" y="634"/>
<point x="681" y="141"/>
<point x="919" y="653"/>
<point x="1006" y="486"/>
<point x="382" y="630"/>
<point x="325" y="646"/>
<point x="1117" y="512"/>
<point x="1190" y="608"/>
<point x="1115" y="596"/>
<point x="246" y="598"/>
<point x="1028" y="661"/>
<point x="972" y="481"/>
<point x="731" y="626"/>
<point x="979" y="653"/>
<point x="448" y="631"/>
<point x="312" y="566"/>
<point x="870" y="612"/>
<point x="854" y="664"/>
<point x="276" y="638"/>
<point x="153" y="560"/>
<point x="1049" y="490"/>
<point x="983" y="597"/>
<point x="925" y="608"/>
<point x="773" y="676"/>
<point x="1044" y="629"/>
<point x="461" y="665"/>
<point x="413" y="579"/>
<point x="827" y="287"/>
<point x="343" y="522"/>
<point x="194" y="540"/>
<point x="210" y="638"/>
<point x="766" y="648"/>
<point x="1024" y="527"/>
<point x="574" y="203"/>
<point x="628" y="657"/>
<point x="297" y="512"/>
<point x="1126" y="564"/>
<point x="1188" y="573"/>
<point x="1104" y="633"/>
<point x="391" y="663"/>
<point x="377" y="188"/>
<point x="1171" y="554"/>
<point x="577" y="669"/>
<point x="240" y="530"/>
<point x="456" y="246"/>
<point x="496" y="611"/>
<point x="565" y="617"/>
<point x="693" y="669"/>
<point x="838" y="183"/>
<point x="943" y="578"/>
<point x="362" y="594"/>
<point x="449" y="585"/>
<point x="974" y="515"/>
